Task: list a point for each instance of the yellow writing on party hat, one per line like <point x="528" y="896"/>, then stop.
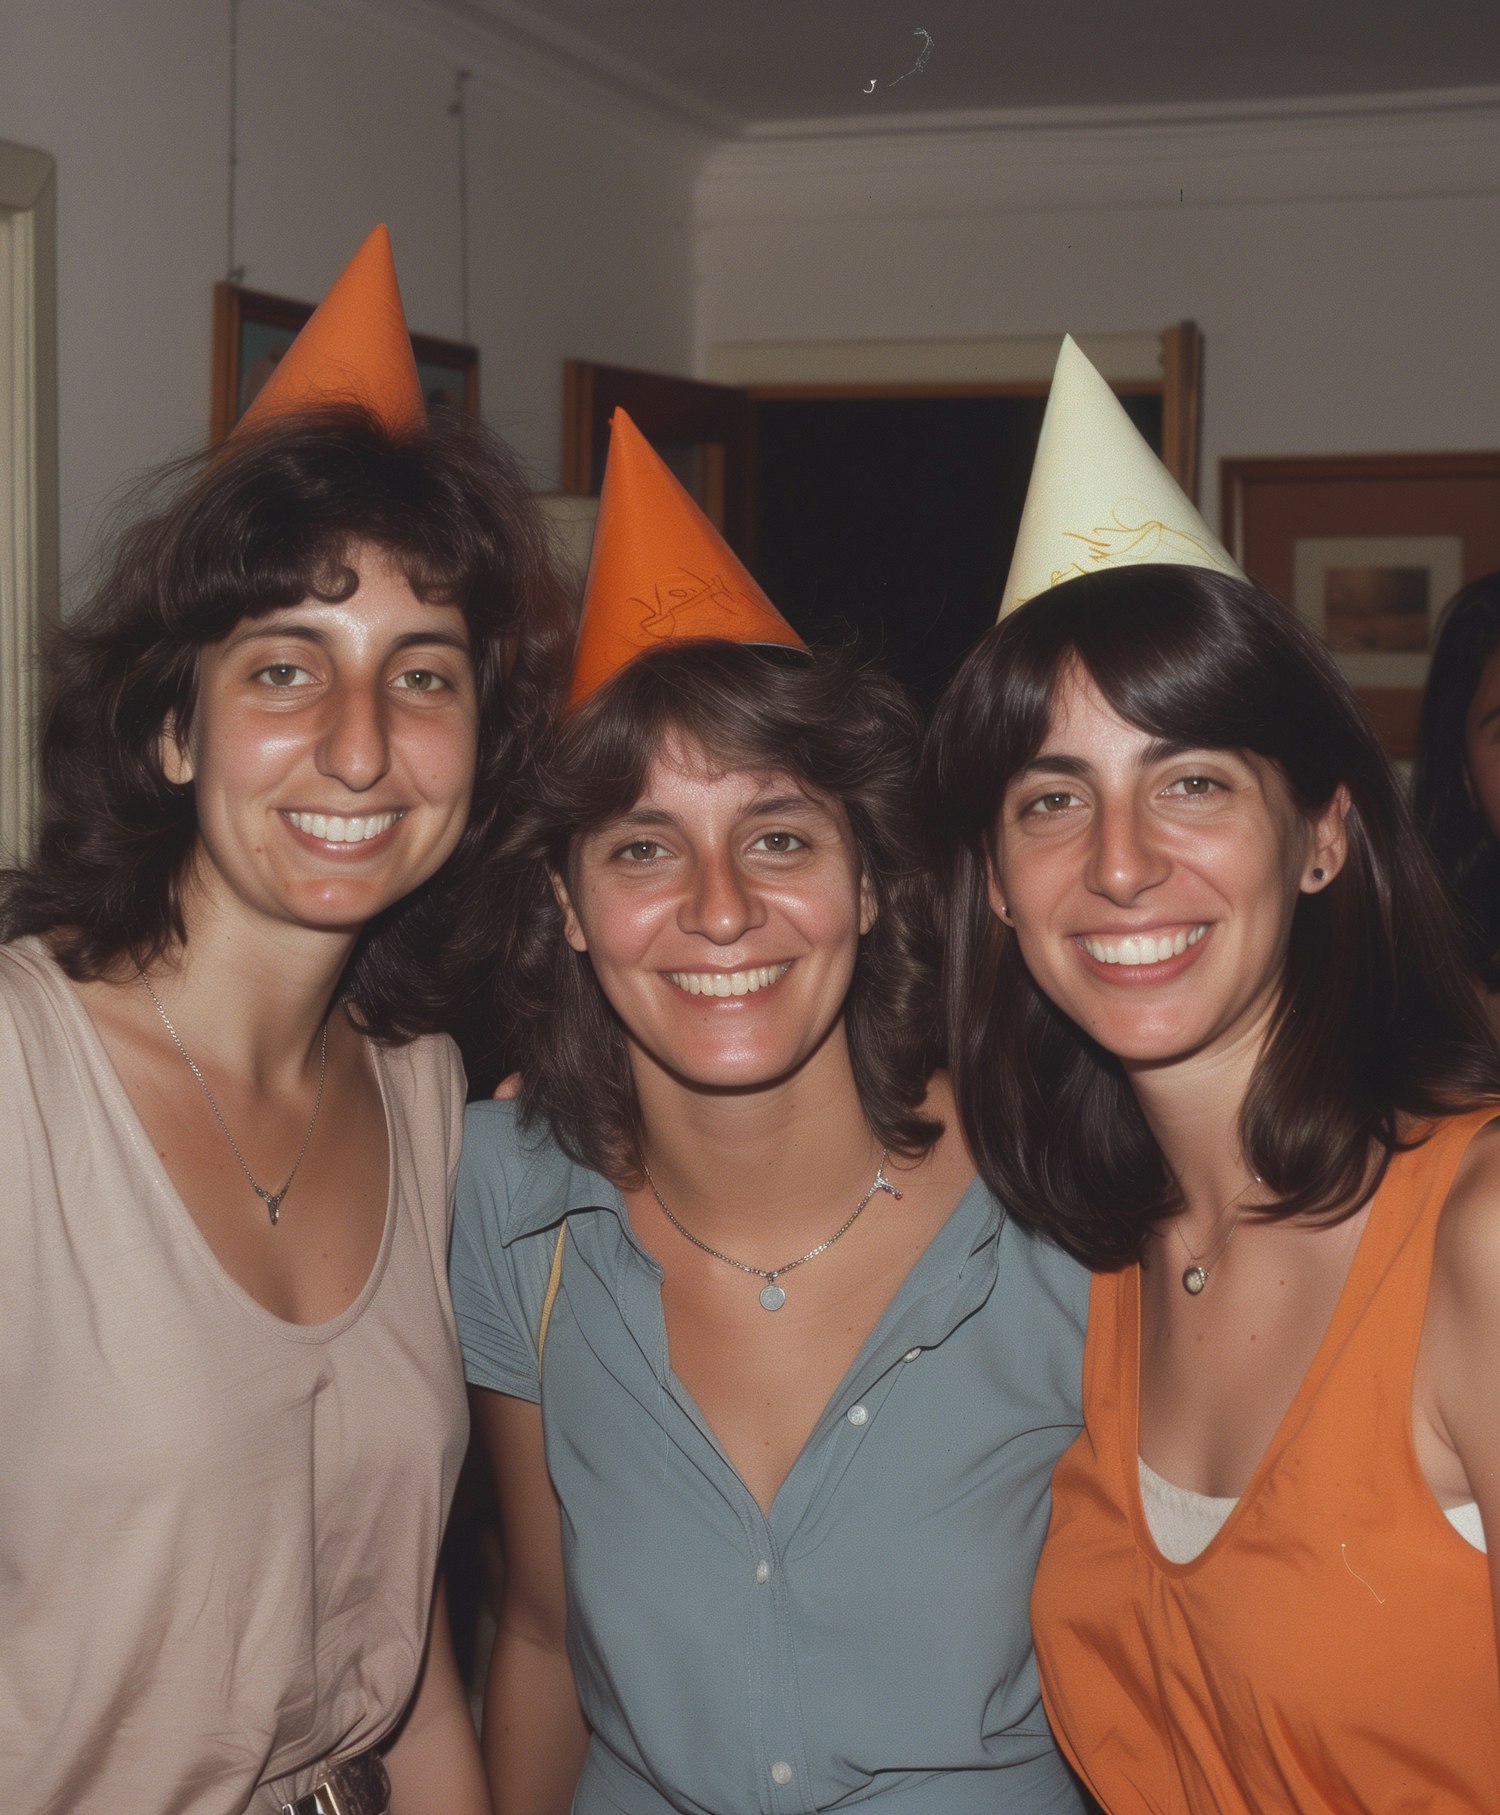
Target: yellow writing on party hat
<point x="1099" y="497"/>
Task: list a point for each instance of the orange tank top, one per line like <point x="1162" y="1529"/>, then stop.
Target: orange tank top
<point x="1333" y="1649"/>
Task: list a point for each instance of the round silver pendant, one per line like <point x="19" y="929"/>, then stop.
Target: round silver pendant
<point x="772" y="1297"/>
<point x="1194" y="1279"/>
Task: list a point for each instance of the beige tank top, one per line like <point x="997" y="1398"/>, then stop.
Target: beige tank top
<point x="218" y="1531"/>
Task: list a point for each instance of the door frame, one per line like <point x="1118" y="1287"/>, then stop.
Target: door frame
<point x="1169" y="364"/>
<point x="29" y="556"/>
<point x="718" y="416"/>
<point x="718" y="419"/>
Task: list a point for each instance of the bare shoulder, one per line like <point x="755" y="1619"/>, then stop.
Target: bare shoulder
<point x="1468" y="1235"/>
<point x="1459" y="1370"/>
<point x="1464" y="1295"/>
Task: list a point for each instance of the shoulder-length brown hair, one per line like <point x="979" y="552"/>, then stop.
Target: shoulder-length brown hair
<point x="1466" y="849"/>
<point x="1377" y="1025"/>
<point x="268" y="521"/>
<point x="841" y="731"/>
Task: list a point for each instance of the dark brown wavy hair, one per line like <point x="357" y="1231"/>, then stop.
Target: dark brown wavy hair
<point x="1377" y="1029"/>
<point x="1468" y="852"/>
<point x="269" y="520"/>
<point x="842" y="732"/>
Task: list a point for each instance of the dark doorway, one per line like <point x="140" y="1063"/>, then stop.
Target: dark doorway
<point x="892" y="520"/>
<point x="885" y="513"/>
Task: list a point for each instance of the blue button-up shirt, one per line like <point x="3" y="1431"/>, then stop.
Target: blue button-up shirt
<point x="866" y="1644"/>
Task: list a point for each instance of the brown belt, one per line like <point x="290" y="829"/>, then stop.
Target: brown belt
<point x="359" y="1786"/>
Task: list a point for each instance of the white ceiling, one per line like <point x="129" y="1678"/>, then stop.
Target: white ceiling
<point x="734" y="65"/>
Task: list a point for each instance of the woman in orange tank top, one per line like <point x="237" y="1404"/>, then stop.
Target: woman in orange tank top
<point x="1210" y="1032"/>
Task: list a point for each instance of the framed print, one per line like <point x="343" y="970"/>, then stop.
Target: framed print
<point x="1370" y="548"/>
<point x="1376" y="600"/>
<point x="252" y="330"/>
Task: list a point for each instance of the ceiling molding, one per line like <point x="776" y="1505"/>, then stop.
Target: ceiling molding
<point x="517" y="27"/>
<point x="537" y="55"/>
<point x="1382" y="147"/>
<point x="513" y="40"/>
<point x="1158" y="114"/>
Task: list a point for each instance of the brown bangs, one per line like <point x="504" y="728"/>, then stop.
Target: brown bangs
<point x="1378" y="1027"/>
<point x="269" y="520"/>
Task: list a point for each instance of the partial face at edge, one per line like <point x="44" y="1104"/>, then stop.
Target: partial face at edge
<point x="1152" y="887"/>
<point x="1482" y="744"/>
<point x="331" y="753"/>
<point x="722" y="916"/>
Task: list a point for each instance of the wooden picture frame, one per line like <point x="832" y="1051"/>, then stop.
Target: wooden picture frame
<point x="1370" y="547"/>
<point x="252" y="329"/>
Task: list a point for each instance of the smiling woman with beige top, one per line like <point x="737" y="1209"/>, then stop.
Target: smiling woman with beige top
<point x="230" y="1396"/>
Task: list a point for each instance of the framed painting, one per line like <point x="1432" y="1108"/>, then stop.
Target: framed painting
<point x="1369" y="547"/>
<point x="252" y="330"/>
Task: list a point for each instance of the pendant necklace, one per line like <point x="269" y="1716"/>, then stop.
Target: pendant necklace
<point x="1196" y="1276"/>
<point x="772" y="1296"/>
<point x="271" y="1199"/>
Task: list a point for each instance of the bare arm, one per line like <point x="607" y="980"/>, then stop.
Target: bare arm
<point x="1461" y="1340"/>
<point x="534" y="1732"/>
<point x="434" y="1761"/>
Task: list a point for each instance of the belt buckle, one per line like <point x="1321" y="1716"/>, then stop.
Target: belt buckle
<point x="322" y="1799"/>
<point x="358" y="1786"/>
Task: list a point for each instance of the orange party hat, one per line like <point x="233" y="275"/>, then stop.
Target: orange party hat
<point x="660" y="571"/>
<point x="354" y="348"/>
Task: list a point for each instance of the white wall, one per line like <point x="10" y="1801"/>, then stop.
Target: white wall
<point x="1341" y="265"/>
<point x="580" y="205"/>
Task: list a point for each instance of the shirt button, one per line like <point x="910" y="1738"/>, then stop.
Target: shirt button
<point x="781" y="1772"/>
<point x="762" y="1573"/>
<point x="858" y="1415"/>
<point x="911" y="1354"/>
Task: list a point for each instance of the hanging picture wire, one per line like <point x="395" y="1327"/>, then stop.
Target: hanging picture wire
<point x="233" y="271"/>
<point x="460" y="112"/>
<point x="252" y="329"/>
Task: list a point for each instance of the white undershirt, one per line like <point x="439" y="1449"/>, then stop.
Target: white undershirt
<point x="1183" y="1523"/>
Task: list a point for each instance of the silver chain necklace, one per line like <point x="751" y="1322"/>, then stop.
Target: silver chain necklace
<point x="1196" y="1277"/>
<point x="271" y="1199"/>
<point x="772" y="1297"/>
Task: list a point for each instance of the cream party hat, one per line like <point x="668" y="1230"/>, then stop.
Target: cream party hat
<point x="1098" y="496"/>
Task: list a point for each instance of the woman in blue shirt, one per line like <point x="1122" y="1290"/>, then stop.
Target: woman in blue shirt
<point x="772" y="1390"/>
